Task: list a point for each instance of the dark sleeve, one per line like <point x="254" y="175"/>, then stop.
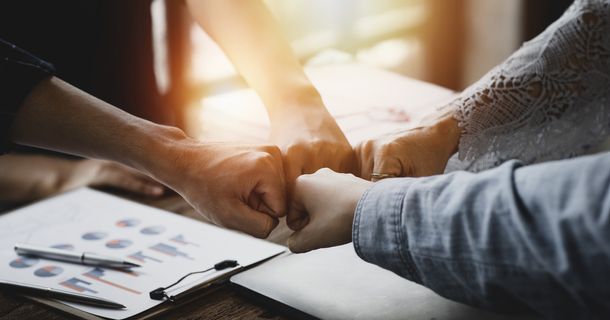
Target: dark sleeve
<point x="20" y="71"/>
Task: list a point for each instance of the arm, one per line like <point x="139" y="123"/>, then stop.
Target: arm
<point x="547" y="101"/>
<point x="300" y="124"/>
<point x="240" y="187"/>
<point x="508" y="239"/>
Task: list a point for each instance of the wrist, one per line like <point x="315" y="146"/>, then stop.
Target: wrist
<point x="298" y="99"/>
<point x="447" y="132"/>
<point x="159" y="151"/>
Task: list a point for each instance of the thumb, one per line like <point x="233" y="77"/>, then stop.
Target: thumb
<point x="299" y="242"/>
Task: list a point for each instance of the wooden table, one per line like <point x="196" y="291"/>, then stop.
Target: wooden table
<point x="365" y="101"/>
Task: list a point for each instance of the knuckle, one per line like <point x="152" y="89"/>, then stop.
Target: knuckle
<point x="267" y="226"/>
<point x="295" y="148"/>
<point x="271" y="149"/>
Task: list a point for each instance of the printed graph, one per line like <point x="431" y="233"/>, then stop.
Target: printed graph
<point x="181" y="240"/>
<point x="127" y="223"/>
<point x="48" y="271"/>
<point x="96" y="235"/>
<point x="64" y="246"/>
<point x="97" y="274"/>
<point x="170" y="251"/>
<point x="23" y="262"/>
<point x="77" y="285"/>
<point x="118" y="243"/>
<point x="153" y="230"/>
<point x="140" y="256"/>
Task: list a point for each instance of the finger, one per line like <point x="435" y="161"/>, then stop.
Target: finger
<point x="129" y="181"/>
<point x="349" y="163"/>
<point x="387" y="165"/>
<point x="299" y="242"/>
<point x="250" y="221"/>
<point x="272" y="192"/>
<point x="297" y="217"/>
<point x="364" y="159"/>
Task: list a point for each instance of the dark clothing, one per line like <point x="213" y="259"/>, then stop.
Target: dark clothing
<point x="20" y="71"/>
<point x="104" y="47"/>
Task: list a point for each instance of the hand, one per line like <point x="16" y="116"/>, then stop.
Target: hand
<point x="236" y="186"/>
<point x="101" y="173"/>
<point x="32" y="177"/>
<point x="310" y="139"/>
<point x="415" y="153"/>
<point x="322" y="209"/>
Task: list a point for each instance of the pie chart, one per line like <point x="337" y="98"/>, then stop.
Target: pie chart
<point x="153" y="230"/>
<point x="118" y="243"/>
<point x="97" y="235"/>
<point x="48" y="271"/>
<point x="23" y="262"/>
<point x="127" y="223"/>
<point x="64" y="246"/>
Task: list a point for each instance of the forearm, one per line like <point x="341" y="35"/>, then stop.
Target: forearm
<point x="506" y="239"/>
<point x="248" y="34"/>
<point x="58" y="116"/>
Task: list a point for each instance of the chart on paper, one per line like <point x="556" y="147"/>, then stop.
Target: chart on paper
<point x="167" y="246"/>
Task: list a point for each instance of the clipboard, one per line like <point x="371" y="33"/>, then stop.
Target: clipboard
<point x="167" y="246"/>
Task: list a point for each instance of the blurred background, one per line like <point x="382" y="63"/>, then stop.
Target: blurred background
<point x="451" y="43"/>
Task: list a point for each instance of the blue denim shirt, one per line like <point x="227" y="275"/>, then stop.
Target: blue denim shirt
<point x="510" y="239"/>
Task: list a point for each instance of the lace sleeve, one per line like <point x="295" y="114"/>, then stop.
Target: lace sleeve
<point x="549" y="100"/>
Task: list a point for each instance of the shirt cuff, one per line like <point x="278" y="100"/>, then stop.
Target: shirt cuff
<point x="377" y="231"/>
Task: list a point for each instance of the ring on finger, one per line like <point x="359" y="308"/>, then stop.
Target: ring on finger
<point x="379" y="176"/>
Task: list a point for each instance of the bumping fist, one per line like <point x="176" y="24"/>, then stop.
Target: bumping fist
<point x="322" y="209"/>
<point x="414" y="153"/>
<point x="240" y="187"/>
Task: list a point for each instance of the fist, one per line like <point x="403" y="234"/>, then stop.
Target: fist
<point x="322" y="209"/>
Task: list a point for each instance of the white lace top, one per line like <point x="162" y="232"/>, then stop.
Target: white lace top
<point x="549" y="100"/>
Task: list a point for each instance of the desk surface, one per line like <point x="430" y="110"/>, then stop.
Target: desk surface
<point x="366" y="102"/>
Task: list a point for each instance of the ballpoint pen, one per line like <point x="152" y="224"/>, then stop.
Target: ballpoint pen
<point x="86" y="258"/>
<point x="61" y="295"/>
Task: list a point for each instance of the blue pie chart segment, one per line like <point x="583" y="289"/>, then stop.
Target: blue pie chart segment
<point x="118" y="243"/>
<point x="127" y="223"/>
<point x="152" y="230"/>
<point x="23" y="262"/>
<point x="48" y="271"/>
<point x="96" y="235"/>
<point x="63" y="246"/>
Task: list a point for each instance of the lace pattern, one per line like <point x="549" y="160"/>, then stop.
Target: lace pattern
<point x="550" y="100"/>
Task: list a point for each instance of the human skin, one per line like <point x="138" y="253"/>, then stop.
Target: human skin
<point x="237" y="186"/>
<point x="301" y="126"/>
<point x="27" y="177"/>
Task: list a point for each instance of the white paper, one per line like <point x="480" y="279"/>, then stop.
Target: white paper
<point x="334" y="283"/>
<point x="166" y="245"/>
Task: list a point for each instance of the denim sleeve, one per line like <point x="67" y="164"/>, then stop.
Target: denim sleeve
<point x="509" y="239"/>
<point x="20" y="71"/>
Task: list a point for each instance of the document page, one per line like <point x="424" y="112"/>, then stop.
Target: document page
<point x="167" y="246"/>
